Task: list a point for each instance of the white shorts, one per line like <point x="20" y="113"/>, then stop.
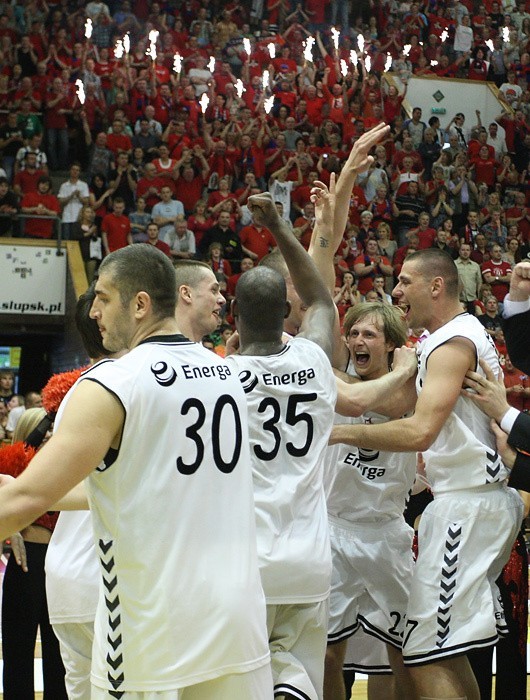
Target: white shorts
<point x="75" y="642"/>
<point x="255" y="684"/>
<point x="464" y="540"/>
<point x="370" y="581"/>
<point x="297" y="642"/>
<point x="366" y="654"/>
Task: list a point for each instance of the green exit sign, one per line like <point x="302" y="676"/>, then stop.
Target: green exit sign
<point x="438" y="110"/>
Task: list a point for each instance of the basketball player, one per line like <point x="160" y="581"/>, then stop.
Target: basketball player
<point x="366" y="490"/>
<point x="72" y="570"/>
<point x="466" y="533"/>
<point x="185" y="621"/>
<point x="72" y="567"/>
<point x="291" y="393"/>
<point x="366" y="493"/>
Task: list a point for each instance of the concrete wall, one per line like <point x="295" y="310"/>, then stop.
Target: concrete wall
<point x="459" y="95"/>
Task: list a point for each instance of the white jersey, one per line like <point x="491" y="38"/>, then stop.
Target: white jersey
<point x="364" y="486"/>
<point x="291" y="398"/>
<point x="173" y="518"/>
<point x="463" y="455"/>
<point x="72" y="567"/>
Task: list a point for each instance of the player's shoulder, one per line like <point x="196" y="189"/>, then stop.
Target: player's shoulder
<point x="307" y="347"/>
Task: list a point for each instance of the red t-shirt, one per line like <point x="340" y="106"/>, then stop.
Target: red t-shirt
<point x="366" y="283"/>
<point x="40" y="228"/>
<point x="28" y="181"/>
<point x="118" y="142"/>
<point x="189" y="193"/>
<point x="143" y="186"/>
<point x="117" y="229"/>
<point x="258" y="241"/>
<point x="161" y="246"/>
<point x="501" y="269"/>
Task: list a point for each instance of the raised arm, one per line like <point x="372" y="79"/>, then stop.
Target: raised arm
<point x="320" y="316"/>
<point x="358" y="161"/>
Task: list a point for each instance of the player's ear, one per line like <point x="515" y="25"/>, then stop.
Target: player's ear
<point x="437" y="286"/>
<point x="184" y="293"/>
<point x="142" y="304"/>
<point x="233" y="308"/>
<point x="288" y="308"/>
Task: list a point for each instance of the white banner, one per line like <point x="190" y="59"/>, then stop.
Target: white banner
<point x="32" y="280"/>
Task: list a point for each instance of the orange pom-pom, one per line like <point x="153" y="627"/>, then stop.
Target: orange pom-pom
<point x="15" y="458"/>
<point x="57" y="388"/>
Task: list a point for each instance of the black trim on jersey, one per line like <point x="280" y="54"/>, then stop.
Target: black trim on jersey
<point x="380" y="670"/>
<point x="174" y="338"/>
<point x="344" y="633"/>
<point x="457" y="650"/>
<point x="379" y="634"/>
<point x="110" y="458"/>
<point x="96" y="364"/>
<point x="113" y="453"/>
<point x="115" y="644"/>
<point x="283" y="688"/>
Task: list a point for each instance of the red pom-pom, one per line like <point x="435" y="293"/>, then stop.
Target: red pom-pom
<point x="57" y="388"/>
<point x="15" y="458"/>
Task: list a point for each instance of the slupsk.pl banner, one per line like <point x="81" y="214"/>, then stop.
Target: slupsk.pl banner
<point x="32" y="280"/>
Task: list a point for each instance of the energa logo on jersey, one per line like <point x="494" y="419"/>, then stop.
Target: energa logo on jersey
<point x="166" y="375"/>
<point x="249" y="380"/>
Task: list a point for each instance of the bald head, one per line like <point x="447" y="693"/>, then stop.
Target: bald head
<point x="261" y="300"/>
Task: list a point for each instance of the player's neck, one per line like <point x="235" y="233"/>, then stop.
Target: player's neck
<point x="443" y="316"/>
<point x="265" y="344"/>
<point x="166" y="326"/>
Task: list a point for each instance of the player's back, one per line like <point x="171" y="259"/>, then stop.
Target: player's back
<point x="174" y="524"/>
<point x="291" y="398"/>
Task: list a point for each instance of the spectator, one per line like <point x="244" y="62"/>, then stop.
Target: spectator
<point x="407" y="208"/>
<point x="281" y="188"/>
<point x="87" y="233"/>
<point x="40" y="203"/>
<point x="139" y="220"/>
<point x="57" y="106"/>
<point x="415" y="127"/>
<point x="183" y="245"/>
<point x="153" y="239"/>
<point x="256" y="241"/>
<point x="117" y="140"/>
<point x="165" y="214"/>
<point x="8" y="207"/>
<point x="491" y="320"/>
<point x="116" y="228"/>
<point x="73" y="194"/>
<point x="123" y="181"/>
<point x="11" y="141"/>
<point x="27" y="178"/>
<point x="33" y="146"/>
<point x="146" y="139"/>
<point x="497" y="273"/>
<point x="223" y="233"/>
<point x="190" y="184"/>
<point x="368" y="265"/>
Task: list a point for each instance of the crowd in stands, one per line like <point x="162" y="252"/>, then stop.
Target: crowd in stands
<point x="165" y="143"/>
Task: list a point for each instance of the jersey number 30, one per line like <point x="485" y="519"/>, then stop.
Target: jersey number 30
<point x="193" y="433"/>
<point x="292" y="417"/>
